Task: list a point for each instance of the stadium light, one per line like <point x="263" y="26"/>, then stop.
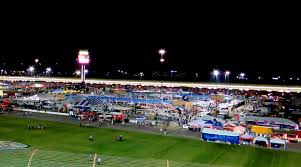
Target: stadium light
<point x="215" y="73"/>
<point x="31" y="69"/>
<point x="77" y="72"/>
<point x="48" y="70"/>
<point x="162" y="52"/>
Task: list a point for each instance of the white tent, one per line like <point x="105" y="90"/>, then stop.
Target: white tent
<point x="278" y="141"/>
<point x="261" y="139"/>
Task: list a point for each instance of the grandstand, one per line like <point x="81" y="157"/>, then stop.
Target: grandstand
<point x="38" y="158"/>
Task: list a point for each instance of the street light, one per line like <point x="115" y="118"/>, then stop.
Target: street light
<point x="216" y="73"/>
<point x="227" y="73"/>
<point x="31" y="70"/>
<point x="77" y="72"/>
<point x="48" y="70"/>
<point x="242" y="75"/>
<point x="36" y="60"/>
<point x="162" y="52"/>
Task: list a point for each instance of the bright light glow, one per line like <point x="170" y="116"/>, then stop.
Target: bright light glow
<point x="83" y="57"/>
<point x="162" y="52"/>
<point x="77" y="72"/>
<point x="242" y="74"/>
<point x="36" y="60"/>
<point x="162" y="60"/>
<point x="31" y="69"/>
<point x="215" y="72"/>
<point x="48" y="69"/>
<point x="86" y="71"/>
<point x="227" y="72"/>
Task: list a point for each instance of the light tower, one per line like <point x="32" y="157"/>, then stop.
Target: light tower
<point x="83" y="60"/>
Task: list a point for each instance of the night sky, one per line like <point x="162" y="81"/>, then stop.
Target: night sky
<point x="251" y="42"/>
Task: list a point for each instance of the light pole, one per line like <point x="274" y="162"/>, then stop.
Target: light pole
<point x="161" y="52"/>
<point x="37" y="64"/>
<point x="215" y="74"/>
<point x="83" y="60"/>
<point x="242" y="76"/>
<point x="77" y="72"/>
<point x="227" y="73"/>
<point x="31" y="70"/>
<point x="48" y="71"/>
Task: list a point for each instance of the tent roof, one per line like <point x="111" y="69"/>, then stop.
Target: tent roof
<point x="246" y="136"/>
<point x="260" y="138"/>
<point x="239" y="128"/>
<point x="277" y="141"/>
<point x="207" y="117"/>
<point x="269" y="119"/>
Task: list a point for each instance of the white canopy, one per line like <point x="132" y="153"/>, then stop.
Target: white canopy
<point x="260" y="138"/>
<point x="219" y="132"/>
<point x="277" y="141"/>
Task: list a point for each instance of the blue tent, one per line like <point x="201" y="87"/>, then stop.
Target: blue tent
<point x="220" y="135"/>
<point x="209" y="122"/>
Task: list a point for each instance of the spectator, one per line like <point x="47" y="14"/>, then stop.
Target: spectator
<point x="91" y="138"/>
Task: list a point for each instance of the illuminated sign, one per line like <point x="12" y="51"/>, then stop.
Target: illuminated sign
<point x="83" y="57"/>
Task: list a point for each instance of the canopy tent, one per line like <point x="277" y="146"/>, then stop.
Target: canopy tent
<point x="220" y="135"/>
<point x="140" y="119"/>
<point x="247" y="137"/>
<point x="207" y="118"/>
<point x="33" y="98"/>
<point x="239" y="129"/>
<point x="197" y="123"/>
<point x="277" y="142"/>
<point x="262" y="141"/>
<point x="229" y="126"/>
<point x="57" y="91"/>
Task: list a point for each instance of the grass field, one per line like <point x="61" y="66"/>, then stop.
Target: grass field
<point x="72" y="138"/>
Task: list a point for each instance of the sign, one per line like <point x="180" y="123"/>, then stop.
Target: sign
<point x="83" y="57"/>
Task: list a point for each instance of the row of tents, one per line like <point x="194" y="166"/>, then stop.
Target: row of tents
<point x="216" y="135"/>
